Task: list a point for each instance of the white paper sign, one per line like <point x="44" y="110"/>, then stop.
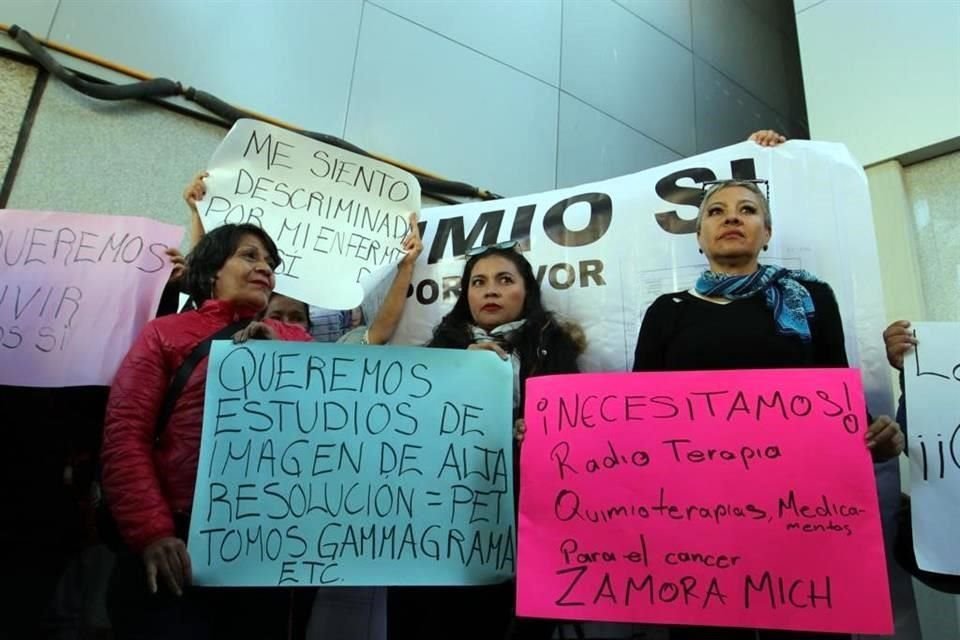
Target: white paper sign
<point x="338" y="218"/>
<point x="605" y="251"/>
<point x="932" y="383"/>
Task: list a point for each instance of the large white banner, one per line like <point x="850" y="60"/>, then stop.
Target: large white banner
<point x="604" y="251"/>
<point x="338" y="218"/>
<point x="932" y="379"/>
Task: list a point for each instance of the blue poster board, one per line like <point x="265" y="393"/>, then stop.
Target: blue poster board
<point x="348" y="465"/>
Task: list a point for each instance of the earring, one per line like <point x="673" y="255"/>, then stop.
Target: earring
<point x="701" y="251"/>
<point x="765" y="247"/>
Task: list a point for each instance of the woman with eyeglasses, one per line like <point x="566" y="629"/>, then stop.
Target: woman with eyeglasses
<point x="500" y="310"/>
<point x="742" y="314"/>
<point x="151" y="449"/>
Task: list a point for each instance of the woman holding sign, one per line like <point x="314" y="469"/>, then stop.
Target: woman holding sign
<point x="151" y="446"/>
<point x="744" y="315"/>
<point x="499" y="310"/>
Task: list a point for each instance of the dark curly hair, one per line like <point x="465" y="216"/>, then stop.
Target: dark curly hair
<point x="543" y="345"/>
<point x="212" y="252"/>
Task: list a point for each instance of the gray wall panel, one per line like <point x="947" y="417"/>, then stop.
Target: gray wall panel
<point x="36" y="16"/>
<point x="435" y="82"/>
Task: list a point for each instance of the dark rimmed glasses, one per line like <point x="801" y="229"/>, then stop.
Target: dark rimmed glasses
<point x="500" y="246"/>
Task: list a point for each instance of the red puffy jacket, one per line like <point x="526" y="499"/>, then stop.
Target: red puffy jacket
<point x="146" y="484"/>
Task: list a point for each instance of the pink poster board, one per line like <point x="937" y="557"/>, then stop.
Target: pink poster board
<point x="726" y="498"/>
<point x="75" y="291"/>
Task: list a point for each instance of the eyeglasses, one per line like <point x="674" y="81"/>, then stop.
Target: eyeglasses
<point x="755" y="181"/>
<point x="500" y="246"/>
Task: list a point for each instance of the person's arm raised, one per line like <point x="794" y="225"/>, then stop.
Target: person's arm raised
<point x="388" y="317"/>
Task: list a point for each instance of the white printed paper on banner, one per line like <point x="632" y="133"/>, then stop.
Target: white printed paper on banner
<point x="604" y="251"/>
<point x="932" y="383"/>
<point x="338" y="217"/>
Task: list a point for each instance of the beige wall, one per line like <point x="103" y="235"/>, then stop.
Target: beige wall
<point x="881" y="76"/>
<point x="933" y="190"/>
<point x="917" y="224"/>
<point x="899" y="268"/>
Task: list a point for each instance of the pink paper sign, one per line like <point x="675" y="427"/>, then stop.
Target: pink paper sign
<point x="727" y="498"/>
<point x="76" y="289"/>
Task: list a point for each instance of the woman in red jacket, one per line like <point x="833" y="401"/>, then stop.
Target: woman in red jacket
<point x="149" y="481"/>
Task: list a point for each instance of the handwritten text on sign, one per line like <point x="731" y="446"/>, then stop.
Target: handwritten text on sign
<point x="75" y="292"/>
<point x="734" y="498"/>
<point x="354" y="465"/>
<point x="329" y="210"/>
<point x="932" y="379"/>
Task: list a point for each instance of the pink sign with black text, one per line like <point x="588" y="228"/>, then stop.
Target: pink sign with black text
<point x="76" y="290"/>
<point x="723" y="498"/>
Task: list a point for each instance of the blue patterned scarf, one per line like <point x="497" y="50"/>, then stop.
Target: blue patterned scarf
<point x="785" y="296"/>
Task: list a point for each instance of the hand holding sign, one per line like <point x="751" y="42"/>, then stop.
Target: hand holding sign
<point x="899" y="340"/>
<point x="167" y="563"/>
<point x="412" y="243"/>
<point x="178" y="262"/>
<point x="884" y="438"/>
<point x="196" y="190"/>
<point x="256" y="330"/>
<point x="330" y="211"/>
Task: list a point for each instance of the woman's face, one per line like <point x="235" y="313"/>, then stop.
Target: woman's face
<point x="732" y="226"/>
<point x="287" y="310"/>
<point x="496" y="292"/>
<point x="246" y="279"/>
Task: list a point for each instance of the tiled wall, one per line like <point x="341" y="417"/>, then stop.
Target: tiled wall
<point x="934" y="191"/>
<point x="17" y="82"/>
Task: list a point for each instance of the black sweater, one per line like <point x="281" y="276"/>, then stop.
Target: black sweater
<point x="681" y="332"/>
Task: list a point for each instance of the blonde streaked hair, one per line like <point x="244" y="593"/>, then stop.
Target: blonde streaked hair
<point x="749" y="185"/>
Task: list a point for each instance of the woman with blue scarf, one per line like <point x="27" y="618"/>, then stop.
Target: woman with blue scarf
<point x="744" y="315"/>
